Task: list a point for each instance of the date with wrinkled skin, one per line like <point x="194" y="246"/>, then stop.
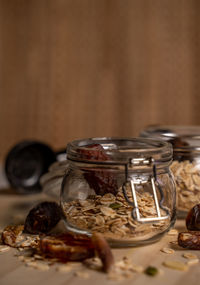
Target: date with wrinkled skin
<point x="42" y="218"/>
<point x="65" y="248"/>
<point x="190" y="240"/>
<point x="71" y="247"/>
<point x="193" y="219"/>
<point x="102" y="181"/>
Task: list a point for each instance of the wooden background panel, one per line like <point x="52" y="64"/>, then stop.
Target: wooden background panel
<point x="72" y="68"/>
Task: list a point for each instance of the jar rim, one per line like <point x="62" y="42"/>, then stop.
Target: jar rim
<point x="121" y="149"/>
<point x="187" y="136"/>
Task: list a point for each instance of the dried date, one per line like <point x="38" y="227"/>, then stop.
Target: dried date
<point x="102" y="181"/>
<point x="193" y="219"/>
<point x="190" y="240"/>
<point x="66" y="248"/>
<point x="42" y="218"/>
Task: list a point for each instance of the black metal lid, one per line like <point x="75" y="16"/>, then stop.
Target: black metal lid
<point x="25" y="163"/>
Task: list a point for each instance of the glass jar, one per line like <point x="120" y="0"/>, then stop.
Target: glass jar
<point x="121" y="187"/>
<point x="186" y="161"/>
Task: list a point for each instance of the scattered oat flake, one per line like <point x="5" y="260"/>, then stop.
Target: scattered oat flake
<point x="137" y="268"/>
<point x="42" y="266"/>
<point x="82" y="274"/>
<point x="4" y="248"/>
<point x="64" y="268"/>
<point x="167" y="250"/>
<point x="177" y="265"/>
<point x="190" y="256"/>
<point x="173" y="232"/>
<point x="192" y="261"/>
<point x="31" y="264"/>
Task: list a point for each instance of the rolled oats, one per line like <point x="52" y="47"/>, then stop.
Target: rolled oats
<point x="112" y="215"/>
<point x="187" y="178"/>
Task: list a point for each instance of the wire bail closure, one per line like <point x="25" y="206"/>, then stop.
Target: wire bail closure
<point x="139" y="181"/>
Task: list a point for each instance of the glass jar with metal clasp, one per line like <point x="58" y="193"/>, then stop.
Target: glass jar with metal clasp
<point x="120" y="187"/>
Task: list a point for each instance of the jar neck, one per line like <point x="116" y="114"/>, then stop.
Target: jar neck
<point x="136" y="153"/>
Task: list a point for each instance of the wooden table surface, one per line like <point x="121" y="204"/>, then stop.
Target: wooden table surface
<point x="13" y="209"/>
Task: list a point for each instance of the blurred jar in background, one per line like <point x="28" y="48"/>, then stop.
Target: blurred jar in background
<point x="186" y="161"/>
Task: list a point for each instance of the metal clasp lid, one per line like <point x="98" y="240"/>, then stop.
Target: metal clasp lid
<point x="139" y="180"/>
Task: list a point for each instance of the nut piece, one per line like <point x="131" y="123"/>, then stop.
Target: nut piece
<point x="151" y="271"/>
<point x="190" y="240"/>
<point x="177" y="265"/>
<point x="103" y="251"/>
<point x="12" y="235"/>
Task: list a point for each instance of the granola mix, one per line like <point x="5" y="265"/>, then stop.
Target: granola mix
<point x="112" y="215"/>
<point x="187" y="178"/>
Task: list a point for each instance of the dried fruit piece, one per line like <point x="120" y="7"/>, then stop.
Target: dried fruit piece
<point x="177" y="265"/>
<point x="67" y="247"/>
<point x="93" y="152"/>
<point x="42" y="218"/>
<point x="190" y="240"/>
<point x="12" y="235"/>
<point x="101" y="181"/>
<point x="151" y="271"/>
<point x="193" y="219"/>
<point x="103" y="251"/>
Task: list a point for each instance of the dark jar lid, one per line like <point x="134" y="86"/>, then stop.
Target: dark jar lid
<point x="25" y="163"/>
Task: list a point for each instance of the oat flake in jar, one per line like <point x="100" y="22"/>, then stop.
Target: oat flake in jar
<point x="186" y="161"/>
<point x="120" y="187"/>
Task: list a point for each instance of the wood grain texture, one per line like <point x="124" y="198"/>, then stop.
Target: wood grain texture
<point x="72" y="68"/>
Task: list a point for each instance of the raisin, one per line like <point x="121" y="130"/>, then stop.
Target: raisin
<point x="42" y="218"/>
<point x="190" y="240"/>
<point x="101" y="181"/>
<point x="193" y="219"/>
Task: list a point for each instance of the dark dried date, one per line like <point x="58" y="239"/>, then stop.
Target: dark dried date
<point x="42" y="218"/>
<point x="190" y="240"/>
<point x="193" y="219"/>
<point x="102" y="181"/>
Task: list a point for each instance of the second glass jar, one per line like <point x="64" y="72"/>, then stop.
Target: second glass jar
<point x="186" y="161"/>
